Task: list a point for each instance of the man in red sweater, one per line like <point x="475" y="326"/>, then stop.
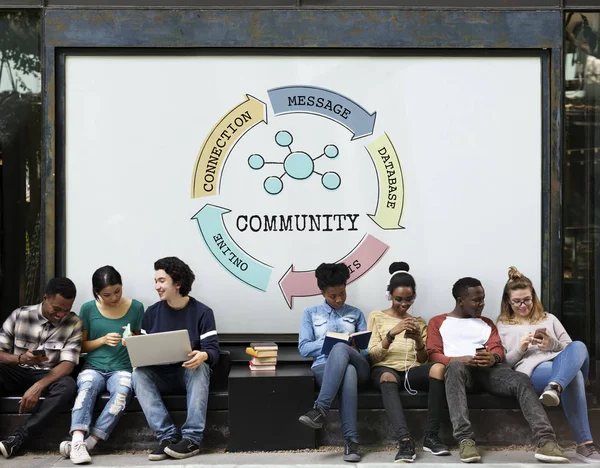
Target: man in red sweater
<point x="470" y="348"/>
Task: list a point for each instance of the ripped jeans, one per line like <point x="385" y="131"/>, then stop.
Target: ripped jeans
<point x="90" y="383"/>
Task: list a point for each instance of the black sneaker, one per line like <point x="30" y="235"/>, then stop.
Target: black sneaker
<point x="407" y="451"/>
<point x="433" y="444"/>
<point x="11" y="444"/>
<point x="159" y="453"/>
<point x="184" y="449"/>
<point x="351" y="451"/>
<point x="314" y="418"/>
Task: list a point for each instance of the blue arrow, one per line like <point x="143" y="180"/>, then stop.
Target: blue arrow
<point x="216" y="237"/>
<point x="324" y="102"/>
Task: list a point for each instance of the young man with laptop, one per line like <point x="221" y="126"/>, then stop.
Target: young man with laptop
<point x="176" y="310"/>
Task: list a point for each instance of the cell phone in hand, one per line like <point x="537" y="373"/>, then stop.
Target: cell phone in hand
<point x="481" y="348"/>
<point x="39" y="352"/>
<point x="539" y="334"/>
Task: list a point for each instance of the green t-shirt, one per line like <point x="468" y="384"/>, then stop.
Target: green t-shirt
<point x="109" y="358"/>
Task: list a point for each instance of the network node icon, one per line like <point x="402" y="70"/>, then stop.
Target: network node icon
<point x="297" y="164"/>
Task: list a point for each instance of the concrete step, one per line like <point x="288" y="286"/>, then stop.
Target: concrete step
<point x="373" y="457"/>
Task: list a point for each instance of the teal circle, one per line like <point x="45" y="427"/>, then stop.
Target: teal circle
<point x="284" y="138"/>
<point x="331" y="151"/>
<point x="273" y="185"/>
<point x="256" y="161"/>
<point x="298" y="165"/>
<point x="331" y="180"/>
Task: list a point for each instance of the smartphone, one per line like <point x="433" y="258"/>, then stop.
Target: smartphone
<point x="39" y="352"/>
<point x="481" y="348"/>
<point x="539" y="333"/>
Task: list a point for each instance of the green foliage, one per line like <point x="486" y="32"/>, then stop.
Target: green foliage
<point x="20" y="44"/>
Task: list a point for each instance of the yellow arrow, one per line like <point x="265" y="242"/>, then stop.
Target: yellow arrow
<point x="390" y="201"/>
<point x="220" y="141"/>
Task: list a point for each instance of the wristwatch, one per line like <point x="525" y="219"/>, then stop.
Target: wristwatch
<point x="390" y="338"/>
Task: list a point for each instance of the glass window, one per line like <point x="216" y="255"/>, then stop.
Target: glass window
<point x="20" y="153"/>
<point x="581" y="176"/>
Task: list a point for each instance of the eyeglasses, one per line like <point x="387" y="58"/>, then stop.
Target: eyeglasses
<point x="518" y="303"/>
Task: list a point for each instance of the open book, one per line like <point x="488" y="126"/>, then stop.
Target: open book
<point x="361" y="340"/>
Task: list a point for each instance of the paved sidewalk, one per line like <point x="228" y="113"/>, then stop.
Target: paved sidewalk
<point x="330" y="459"/>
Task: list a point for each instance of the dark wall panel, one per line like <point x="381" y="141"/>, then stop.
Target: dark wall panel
<point x="478" y="4"/>
<point x="415" y="4"/>
<point x="20" y="3"/>
<point x="582" y="3"/>
<point x="302" y="28"/>
<point x="176" y="3"/>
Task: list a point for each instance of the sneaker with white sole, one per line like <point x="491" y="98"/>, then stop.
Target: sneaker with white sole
<point x="551" y="395"/>
<point x="588" y="453"/>
<point x="12" y="444"/>
<point x="551" y="452"/>
<point x="406" y="452"/>
<point x="65" y="448"/>
<point x="184" y="449"/>
<point x="79" y="454"/>
<point x="468" y="452"/>
<point x="433" y="444"/>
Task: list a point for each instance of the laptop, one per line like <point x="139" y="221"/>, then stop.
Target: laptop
<point x="159" y="348"/>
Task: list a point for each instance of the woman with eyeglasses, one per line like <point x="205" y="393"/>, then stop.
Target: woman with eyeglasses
<point x="398" y="354"/>
<point x="538" y="345"/>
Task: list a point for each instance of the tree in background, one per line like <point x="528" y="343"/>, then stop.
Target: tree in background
<point x="20" y="159"/>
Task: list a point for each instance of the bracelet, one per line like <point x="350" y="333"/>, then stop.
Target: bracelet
<point x="390" y="338"/>
<point x="19" y="359"/>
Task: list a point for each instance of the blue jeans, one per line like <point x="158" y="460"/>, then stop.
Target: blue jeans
<point x="149" y="382"/>
<point x="569" y="369"/>
<point x="342" y="373"/>
<point x="90" y="383"/>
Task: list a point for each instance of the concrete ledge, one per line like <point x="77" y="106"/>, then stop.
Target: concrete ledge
<point x="493" y="428"/>
<point x="373" y="457"/>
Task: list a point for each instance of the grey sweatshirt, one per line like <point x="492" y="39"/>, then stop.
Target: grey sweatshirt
<point x="527" y="361"/>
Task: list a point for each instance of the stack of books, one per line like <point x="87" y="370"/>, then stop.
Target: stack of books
<point x="264" y="356"/>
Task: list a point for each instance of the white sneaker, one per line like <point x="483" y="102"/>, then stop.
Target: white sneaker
<point x="79" y="453"/>
<point x="550" y="396"/>
<point x="65" y="448"/>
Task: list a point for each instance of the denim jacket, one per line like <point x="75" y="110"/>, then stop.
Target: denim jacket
<point x="320" y="319"/>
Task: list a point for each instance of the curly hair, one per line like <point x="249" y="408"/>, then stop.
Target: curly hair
<point x="179" y="272"/>
<point x="461" y="287"/>
<point x="517" y="280"/>
<point x="331" y="274"/>
<point x="61" y="285"/>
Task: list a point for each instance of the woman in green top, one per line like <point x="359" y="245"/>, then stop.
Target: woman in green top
<point x="107" y="365"/>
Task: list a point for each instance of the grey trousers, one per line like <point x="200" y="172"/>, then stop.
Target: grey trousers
<point x="499" y="380"/>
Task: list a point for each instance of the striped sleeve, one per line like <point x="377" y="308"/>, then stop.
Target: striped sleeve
<point x="209" y="340"/>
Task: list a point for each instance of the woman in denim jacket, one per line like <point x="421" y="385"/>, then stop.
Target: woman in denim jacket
<point x="344" y="368"/>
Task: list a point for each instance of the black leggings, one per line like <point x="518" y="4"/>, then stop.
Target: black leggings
<point x="418" y="378"/>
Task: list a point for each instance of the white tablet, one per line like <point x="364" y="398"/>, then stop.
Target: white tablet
<point x="159" y="348"/>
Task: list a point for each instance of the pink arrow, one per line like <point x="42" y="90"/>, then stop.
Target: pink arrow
<point x="303" y="283"/>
